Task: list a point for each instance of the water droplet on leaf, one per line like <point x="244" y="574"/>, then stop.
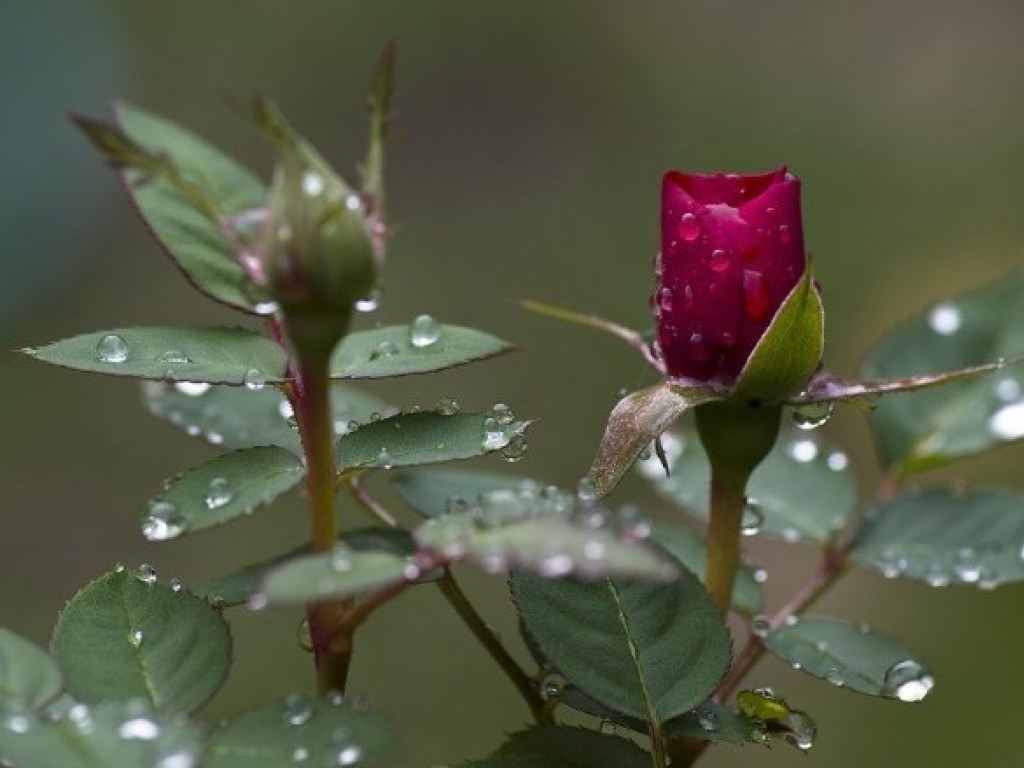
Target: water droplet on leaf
<point x="945" y="319"/>
<point x="219" y="493"/>
<point x="146" y="573"/>
<point x="112" y="349"/>
<point x="813" y="415"/>
<point x="907" y="681"/>
<point x="254" y="379"/>
<point x="163" y="521"/>
<point x="192" y="388"/>
<point x="424" y="331"/>
<point x="296" y="709"/>
<point x="448" y="406"/>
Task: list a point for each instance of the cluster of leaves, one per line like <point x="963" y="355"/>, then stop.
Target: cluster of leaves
<point x="620" y="627"/>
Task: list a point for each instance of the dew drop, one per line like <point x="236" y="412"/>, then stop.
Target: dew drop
<point x="264" y="308"/>
<point x="935" y="575"/>
<point x="689" y="227"/>
<point x="254" y="379"/>
<point x="554" y="564"/>
<point x="967" y="567"/>
<point x="1008" y="422"/>
<point x="176" y="585"/>
<point x="304" y="635"/>
<point x="586" y="491"/>
<point x="16" y="723"/>
<point x="135" y="638"/>
<point x="756" y="300"/>
<point x="300" y="754"/>
<point x="494" y="435"/>
<point x="515" y="448"/>
<point x="760" y="575"/>
<point x="312" y="184"/>
<point x="707" y="720"/>
<point x="296" y="709"/>
<point x="803" y="730"/>
<point x="146" y="573"/>
<point x="341" y="558"/>
<point x="835" y="677"/>
<point x="163" y="521"/>
<point x="785" y="235"/>
<point x="371" y="301"/>
<point x="803" y="451"/>
<point x="138" y="729"/>
<point x="502" y="414"/>
<point x="945" y="319"/>
<point x="719" y="261"/>
<point x="907" y="681"/>
<point x="192" y="388"/>
<point x="353" y="202"/>
<point x="349" y="754"/>
<point x="112" y="349"/>
<point x="813" y="415"/>
<point x="424" y="331"/>
<point x="837" y="461"/>
<point x="219" y="493"/>
<point x="1007" y="389"/>
<point x="551" y="686"/>
<point x="384" y="460"/>
<point x="753" y="518"/>
<point x="448" y="406"/>
<point x="760" y="625"/>
<point x="174" y="357"/>
<point x="384" y="350"/>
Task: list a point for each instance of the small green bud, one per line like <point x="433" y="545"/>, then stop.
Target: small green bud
<point x="316" y="251"/>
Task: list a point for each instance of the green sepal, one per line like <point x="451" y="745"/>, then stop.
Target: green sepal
<point x="789" y="351"/>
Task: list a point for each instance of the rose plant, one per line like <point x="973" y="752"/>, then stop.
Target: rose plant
<point x="623" y="613"/>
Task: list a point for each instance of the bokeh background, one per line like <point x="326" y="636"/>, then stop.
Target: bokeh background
<point x="525" y="163"/>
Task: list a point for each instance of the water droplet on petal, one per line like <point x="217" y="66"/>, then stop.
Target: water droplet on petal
<point x="146" y="573"/>
<point x="785" y="235"/>
<point x="689" y="227"/>
<point x="296" y="709"/>
<point x="424" y="331"/>
<point x="219" y="493"/>
<point x="163" y="521"/>
<point x="719" y="261"/>
<point x="112" y="349"/>
<point x="813" y="415"/>
<point x="907" y="681"/>
<point x="756" y="300"/>
<point x="945" y="319"/>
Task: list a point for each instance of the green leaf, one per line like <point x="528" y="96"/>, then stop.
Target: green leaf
<point x="690" y="550"/>
<point x="125" y="636"/>
<point x="428" y="491"/>
<point x="709" y="721"/>
<point x="237" y="417"/>
<point x="384" y="352"/>
<point x="221" y="490"/>
<point x="190" y="238"/>
<point x="648" y="650"/>
<point x="426" y="437"/>
<point x="927" y="428"/>
<point x="947" y="536"/>
<point x="552" y="746"/>
<point x="236" y="588"/>
<point x="803" y="489"/>
<point x="104" y="735"/>
<point x="301" y="731"/>
<point x="851" y="656"/>
<point x="340" y="573"/>
<point x="790" y="349"/>
<point x="213" y="355"/>
<point x="634" y="422"/>
<point x="29" y="678"/>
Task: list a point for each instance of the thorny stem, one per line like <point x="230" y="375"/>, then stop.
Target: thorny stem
<point x="522" y="682"/>
<point x="332" y="638"/>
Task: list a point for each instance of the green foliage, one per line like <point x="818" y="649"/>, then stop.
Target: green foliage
<point x="946" y="536"/>
<point x="690" y="550"/>
<point x="29" y="678"/>
<point x="194" y="241"/>
<point x="302" y="731"/>
<point x="564" y="747"/>
<point x="126" y="734"/>
<point x="221" y="490"/>
<point x="430" y="491"/>
<point x="390" y="351"/>
<point x="214" y="355"/>
<point x="648" y="650"/>
<point x="789" y="351"/>
<point x="340" y="573"/>
<point x="427" y="437"/>
<point x="851" y="656"/>
<point x="803" y="491"/>
<point x="125" y="636"/>
<point x="237" y="417"/>
<point x="963" y="418"/>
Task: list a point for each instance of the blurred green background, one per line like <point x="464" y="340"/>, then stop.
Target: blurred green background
<point x="525" y="162"/>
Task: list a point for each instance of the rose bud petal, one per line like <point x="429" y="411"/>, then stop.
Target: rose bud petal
<point x="732" y="250"/>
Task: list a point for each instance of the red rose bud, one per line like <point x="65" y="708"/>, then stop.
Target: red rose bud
<point x="732" y="249"/>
